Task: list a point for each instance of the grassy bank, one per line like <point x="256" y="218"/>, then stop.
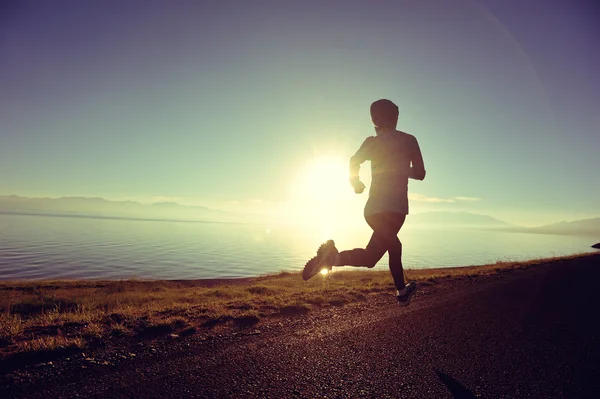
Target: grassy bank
<point x="50" y="316"/>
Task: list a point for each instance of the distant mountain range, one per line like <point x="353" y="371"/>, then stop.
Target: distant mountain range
<point x="100" y="207"/>
<point x="585" y="227"/>
<point x="578" y="227"/>
<point x="454" y="219"/>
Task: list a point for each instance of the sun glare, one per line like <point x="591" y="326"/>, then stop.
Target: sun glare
<point x="321" y="197"/>
<point x="324" y="272"/>
<point x="324" y="179"/>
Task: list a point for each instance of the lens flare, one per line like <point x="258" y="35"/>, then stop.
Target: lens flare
<point x="324" y="272"/>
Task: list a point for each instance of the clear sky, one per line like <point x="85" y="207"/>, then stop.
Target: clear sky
<point x="254" y="105"/>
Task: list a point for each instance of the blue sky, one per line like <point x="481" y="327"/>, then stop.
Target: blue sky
<point x="224" y="103"/>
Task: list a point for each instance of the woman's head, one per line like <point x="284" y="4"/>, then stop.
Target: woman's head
<point x="384" y="114"/>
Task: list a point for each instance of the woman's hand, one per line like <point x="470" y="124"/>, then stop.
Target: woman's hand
<point x="358" y="186"/>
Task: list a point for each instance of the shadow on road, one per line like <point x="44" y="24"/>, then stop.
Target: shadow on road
<point x="455" y="387"/>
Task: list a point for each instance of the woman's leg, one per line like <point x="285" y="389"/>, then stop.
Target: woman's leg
<point x="384" y="239"/>
<point x="395" y="250"/>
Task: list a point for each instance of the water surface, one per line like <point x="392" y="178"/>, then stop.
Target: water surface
<point x="34" y="247"/>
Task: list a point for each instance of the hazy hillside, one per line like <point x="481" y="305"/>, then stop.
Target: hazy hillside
<point x="99" y="207"/>
<point x="453" y="219"/>
<point x="585" y="227"/>
<point x="578" y="227"/>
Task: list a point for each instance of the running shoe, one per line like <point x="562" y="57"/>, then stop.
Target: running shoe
<point x="404" y="295"/>
<point x="325" y="259"/>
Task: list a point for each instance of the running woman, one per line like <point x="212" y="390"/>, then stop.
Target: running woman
<point x="395" y="157"/>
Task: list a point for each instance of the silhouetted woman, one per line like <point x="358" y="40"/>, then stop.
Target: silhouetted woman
<point x="395" y="157"/>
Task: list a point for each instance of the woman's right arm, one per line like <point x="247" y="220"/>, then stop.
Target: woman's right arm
<point x="363" y="154"/>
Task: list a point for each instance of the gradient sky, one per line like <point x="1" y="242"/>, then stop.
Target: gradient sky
<point x="222" y="103"/>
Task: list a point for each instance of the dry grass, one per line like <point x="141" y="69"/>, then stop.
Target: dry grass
<point x="49" y="315"/>
<point x="52" y="344"/>
<point x="118" y="330"/>
<point x="93" y="330"/>
<point x="11" y="326"/>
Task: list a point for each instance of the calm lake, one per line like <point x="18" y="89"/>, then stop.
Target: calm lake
<point x="35" y="247"/>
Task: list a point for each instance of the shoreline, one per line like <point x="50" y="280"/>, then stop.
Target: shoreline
<point x="219" y="281"/>
<point x="43" y="320"/>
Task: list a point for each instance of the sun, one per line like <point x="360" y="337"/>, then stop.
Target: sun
<point x="324" y="179"/>
<point x="321" y="197"/>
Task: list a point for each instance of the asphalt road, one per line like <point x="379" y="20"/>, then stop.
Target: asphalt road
<point x="526" y="334"/>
